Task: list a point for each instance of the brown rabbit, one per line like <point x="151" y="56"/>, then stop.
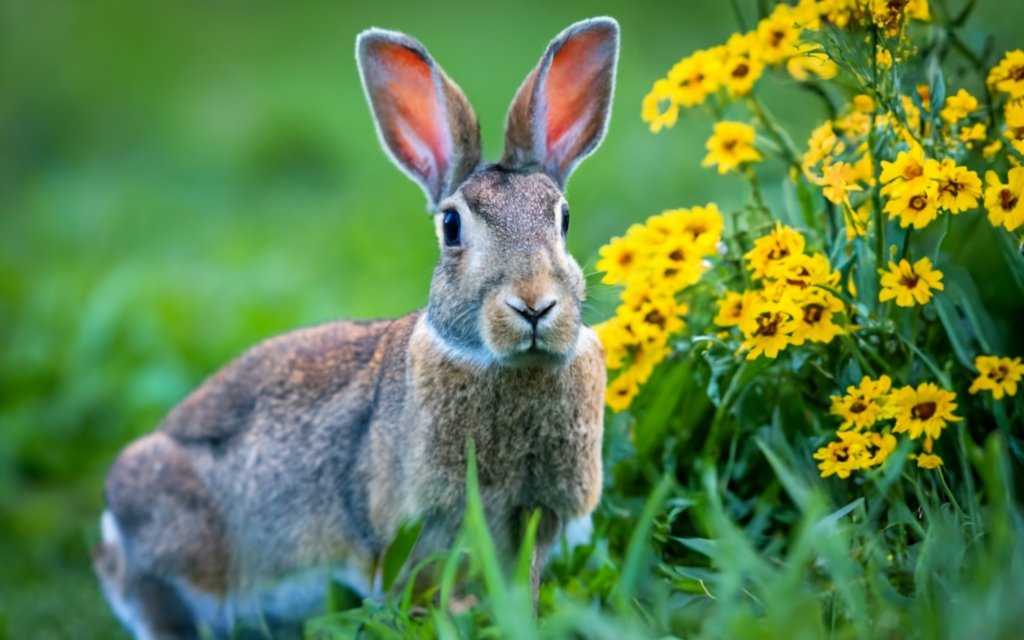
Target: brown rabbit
<point x="299" y="461"/>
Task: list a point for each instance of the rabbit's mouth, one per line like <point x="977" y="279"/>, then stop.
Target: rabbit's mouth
<point x="544" y="330"/>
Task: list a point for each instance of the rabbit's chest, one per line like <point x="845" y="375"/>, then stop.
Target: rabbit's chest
<point x="536" y="434"/>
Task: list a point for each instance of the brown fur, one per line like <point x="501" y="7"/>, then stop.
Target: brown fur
<point x="313" y="448"/>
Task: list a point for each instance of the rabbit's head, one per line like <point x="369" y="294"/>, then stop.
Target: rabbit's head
<point x="505" y="289"/>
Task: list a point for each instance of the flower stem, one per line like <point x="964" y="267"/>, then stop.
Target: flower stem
<point x="786" y="146"/>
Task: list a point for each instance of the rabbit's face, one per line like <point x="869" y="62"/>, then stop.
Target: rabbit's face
<point x="505" y="289"/>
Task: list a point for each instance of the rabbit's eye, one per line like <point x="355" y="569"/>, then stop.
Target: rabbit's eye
<point x="452" y="228"/>
<point x="565" y="219"/>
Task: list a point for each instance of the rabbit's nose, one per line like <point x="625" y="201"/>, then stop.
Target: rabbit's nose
<point x="532" y="313"/>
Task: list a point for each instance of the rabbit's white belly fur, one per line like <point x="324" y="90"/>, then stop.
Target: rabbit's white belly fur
<point x="297" y="597"/>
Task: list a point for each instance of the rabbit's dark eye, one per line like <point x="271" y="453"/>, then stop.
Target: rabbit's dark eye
<point x="452" y="228"/>
<point x="565" y="219"/>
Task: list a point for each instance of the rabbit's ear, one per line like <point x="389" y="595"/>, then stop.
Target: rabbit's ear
<point x="423" y="119"/>
<point x="560" y="112"/>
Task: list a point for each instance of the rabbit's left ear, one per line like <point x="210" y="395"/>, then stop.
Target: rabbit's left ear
<point x="560" y="112"/>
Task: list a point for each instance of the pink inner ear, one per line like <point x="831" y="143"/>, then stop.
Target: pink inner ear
<point x="412" y="116"/>
<point x="574" y="91"/>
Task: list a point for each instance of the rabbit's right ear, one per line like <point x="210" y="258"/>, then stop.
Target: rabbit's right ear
<point x="423" y="119"/>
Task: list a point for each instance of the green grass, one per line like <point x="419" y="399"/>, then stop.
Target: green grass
<point x="177" y="183"/>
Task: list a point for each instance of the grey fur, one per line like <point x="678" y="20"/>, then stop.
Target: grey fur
<point x="313" y="448"/>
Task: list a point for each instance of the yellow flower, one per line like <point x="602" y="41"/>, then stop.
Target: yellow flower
<point x="694" y="77"/>
<point x="730" y="146"/>
<point x="1008" y="75"/>
<point x="618" y="259"/>
<point x="959" y="106"/>
<point x="767" y="329"/>
<point x="925" y="410"/>
<point x="914" y="203"/>
<point x="814" y="321"/>
<point x="702" y="226"/>
<point x="992" y="149"/>
<point x="857" y="221"/>
<point x="733" y="308"/>
<point x="883" y="58"/>
<point x="810" y="59"/>
<point x="971" y="134"/>
<point x="1014" y="113"/>
<point x="676" y="265"/>
<point x="998" y="375"/>
<point x="802" y="271"/>
<point x="918" y="10"/>
<point x="959" y="187"/>
<point x="820" y="146"/>
<point x="657" y="319"/>
<point x="638" y="292"/>
<point x="781" y="243"/>
<point x="910" y="285"/>
<point x="1003" y="201"/>
<point x="861" y="407"/>
<point x="838" y="180"/>
<point x="659" y="109"/>
<point x="863" y="103"/>
<point x="645" y="358"/>
<point x="740" y="73"/>
<point x="616" y="341"/>
<point x="1015" y="134"/>
<point x="885" y="444"/>
<point x="621" y="391"/>
<point x="777" y="36"/>
<point x="909" y="167"/>
<point x="850" y="453"/>
<point x="928" y="461"/>
<point x="888" y="16"/>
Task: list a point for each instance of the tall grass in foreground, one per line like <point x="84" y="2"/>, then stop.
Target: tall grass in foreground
<point x="814" y="429"/>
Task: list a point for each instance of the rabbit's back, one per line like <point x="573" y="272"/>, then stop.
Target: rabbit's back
<point x="267" y="450"/>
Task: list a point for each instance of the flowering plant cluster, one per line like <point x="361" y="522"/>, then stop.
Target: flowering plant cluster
<point x="844" y="290"/>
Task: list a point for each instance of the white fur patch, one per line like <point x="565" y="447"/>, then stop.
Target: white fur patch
<point x="480" y="358"/>
<point x="123" y="608"/>
<point x="296" y="597"/>
<point x="577" y="532"/>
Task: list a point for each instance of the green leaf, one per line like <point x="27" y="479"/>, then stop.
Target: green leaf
<point x="828" y="523"/>
<point x="794" y="486"/>
<point x="639" y="545"/>
<point x="1014" y="259"/>
<point x="396" y="555"/>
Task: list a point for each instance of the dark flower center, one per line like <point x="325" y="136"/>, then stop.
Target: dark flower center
<point x="655" y="318"/>
<point x="910" y="281"/>
<point x="912" y="171"/>
<point x="999" y="373"/>
<point x="918" y="203"/>
<point x="842" y="455"/>
<point x="1007" y="200"/>
<point x="768" y="324"/>
<point x="858" y="407"/>
<point x="923" y="411"/>
<point x="813" y="313"/>
<point x="741" y="70"/>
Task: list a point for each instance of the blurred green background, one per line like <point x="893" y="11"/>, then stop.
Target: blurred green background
<point x="179" y="180"/>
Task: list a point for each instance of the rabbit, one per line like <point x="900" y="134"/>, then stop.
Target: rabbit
<point x="299" y="461"/>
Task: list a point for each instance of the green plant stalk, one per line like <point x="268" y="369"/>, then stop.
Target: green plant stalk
<point x="876" y="199"/>
<point x="789" y="151"/>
